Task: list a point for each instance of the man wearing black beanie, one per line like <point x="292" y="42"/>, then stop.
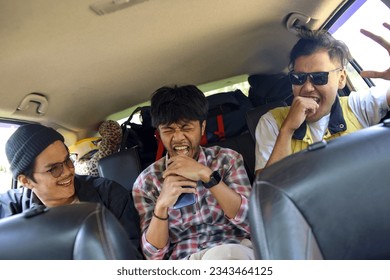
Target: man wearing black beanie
<point x="39" y="160"/>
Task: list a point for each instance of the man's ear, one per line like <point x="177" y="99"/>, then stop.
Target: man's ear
<point x="24" y="181"/>
<point x="203" y="126"/>
<point x="342" y="79"/>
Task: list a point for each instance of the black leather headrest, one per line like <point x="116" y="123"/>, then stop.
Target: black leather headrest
<point x="122" y="167"/>
<point x="84" y="231"/>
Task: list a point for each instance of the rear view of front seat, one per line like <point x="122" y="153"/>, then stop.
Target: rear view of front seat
<point x="83" y="231"/>
<point x="122" y="167"/>
<point x="330" y="201"/>
<point x="253" y="115"/>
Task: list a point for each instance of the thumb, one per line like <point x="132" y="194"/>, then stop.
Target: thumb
<point x="372" y="74"/>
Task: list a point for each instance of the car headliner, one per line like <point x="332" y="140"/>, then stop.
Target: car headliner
<point x="89" y="66"/>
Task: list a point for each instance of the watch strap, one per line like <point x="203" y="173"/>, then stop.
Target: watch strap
<point x="215" y="178"/>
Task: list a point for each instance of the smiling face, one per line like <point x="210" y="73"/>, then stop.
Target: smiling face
<point x="182" y="138"/>
<point x="324" y="95"/>
<point x="52" y="191"/>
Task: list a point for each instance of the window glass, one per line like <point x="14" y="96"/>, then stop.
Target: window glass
<point x="369" y="15"/>
<point x="243" y="86"/>
<point x="6" y="130"/>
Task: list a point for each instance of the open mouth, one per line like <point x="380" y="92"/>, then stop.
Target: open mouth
<point x="316" y="99"/>
<point x="181" y="150"/>
<point x="65" y="183"/>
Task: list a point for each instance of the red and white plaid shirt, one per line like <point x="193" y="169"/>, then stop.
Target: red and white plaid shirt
<point x="203" y="224"/>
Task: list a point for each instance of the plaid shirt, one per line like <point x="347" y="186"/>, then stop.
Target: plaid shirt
<point x="203" y="224"/>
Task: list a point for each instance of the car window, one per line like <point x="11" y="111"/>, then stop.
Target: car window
<point x="6" y="130"/>
<point x="368" y="54"/>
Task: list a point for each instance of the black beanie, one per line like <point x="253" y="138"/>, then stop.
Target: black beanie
<point x="26" y="143"/>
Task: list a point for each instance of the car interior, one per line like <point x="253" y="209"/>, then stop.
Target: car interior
<point x="73" y="64"/>
<point x="69" y="67"/>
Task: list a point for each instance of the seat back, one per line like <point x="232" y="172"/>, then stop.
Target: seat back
<point x="244" y="145"/>
<point x="330" y="201"/>
<point x="253" y="115"/>
<point x="83" y="231"/>
<point x="122" y="167"/>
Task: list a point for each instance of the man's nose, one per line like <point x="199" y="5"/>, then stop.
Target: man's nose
<point x="308" y="85"/>
<point x="178" y="135"/>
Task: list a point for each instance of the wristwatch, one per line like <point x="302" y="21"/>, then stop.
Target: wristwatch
<point x="215" y="178"/>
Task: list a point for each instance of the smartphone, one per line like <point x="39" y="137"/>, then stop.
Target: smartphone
<point x="184" y="199"/>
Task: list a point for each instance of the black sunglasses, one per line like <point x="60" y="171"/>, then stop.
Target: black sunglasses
<point x="317" y="78"/>
<point x="57" y="169"/>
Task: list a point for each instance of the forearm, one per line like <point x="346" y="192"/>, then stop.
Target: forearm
<point x="157" y="233"/>
<point x="282" y="146"/>
<point x="227" y="198"/>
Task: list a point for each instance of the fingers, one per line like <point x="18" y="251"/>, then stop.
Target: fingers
<point x="188" y="189"/>
<point x="183" y="166"/>
<point x="385" y="44"/>
<point x="380" y="40"/>
<point x="171" y="171"/>
<point x="173" y="186"/>
<point x="372" y="74"/>
<point x="305" y="104"/>
<point x="300" y="108"/>
<point x="178" y="159"/>
<point x="179" y="181"/>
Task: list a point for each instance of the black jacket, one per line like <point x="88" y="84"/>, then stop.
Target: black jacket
<point x="89" y="189"/>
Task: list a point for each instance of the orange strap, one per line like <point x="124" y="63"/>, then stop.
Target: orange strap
<point x="221" y="128"/>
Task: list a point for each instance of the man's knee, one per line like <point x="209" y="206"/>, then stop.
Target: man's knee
<point x="229" y="252"/>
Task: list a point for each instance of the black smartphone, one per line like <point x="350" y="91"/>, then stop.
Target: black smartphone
<point x="184" y="199"/>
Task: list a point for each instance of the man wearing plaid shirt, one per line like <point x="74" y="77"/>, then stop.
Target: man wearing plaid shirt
<point x="216" y="225"/>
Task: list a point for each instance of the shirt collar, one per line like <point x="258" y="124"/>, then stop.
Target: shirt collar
<point x="336" y="122"/>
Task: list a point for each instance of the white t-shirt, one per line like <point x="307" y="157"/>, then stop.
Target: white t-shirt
<point x="369" y="107"/>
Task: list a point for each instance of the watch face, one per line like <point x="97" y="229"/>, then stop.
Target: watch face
<point x="215" y="178"/>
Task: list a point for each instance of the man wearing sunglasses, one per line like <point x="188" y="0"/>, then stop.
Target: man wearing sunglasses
<point x="317" y="72"/>
<point x="39" y="160"/>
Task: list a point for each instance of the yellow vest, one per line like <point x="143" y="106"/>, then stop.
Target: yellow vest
<point x="342" y="121"/>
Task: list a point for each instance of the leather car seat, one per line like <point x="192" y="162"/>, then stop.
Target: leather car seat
<point x="82" y="231"/>
<point x="330" y="201"/>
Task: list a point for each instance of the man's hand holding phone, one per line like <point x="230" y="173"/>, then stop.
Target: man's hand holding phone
<point x="177" y="192"/>
<point x="182" y="169"/>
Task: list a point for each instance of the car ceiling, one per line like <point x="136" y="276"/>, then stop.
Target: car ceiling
<point x="89" y="66"/>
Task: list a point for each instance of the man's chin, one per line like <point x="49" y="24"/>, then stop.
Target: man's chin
<point x="313" y="118"/>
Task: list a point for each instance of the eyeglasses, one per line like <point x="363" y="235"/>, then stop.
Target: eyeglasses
<point x="57" y="169"/>
<point x="317" y="78"/>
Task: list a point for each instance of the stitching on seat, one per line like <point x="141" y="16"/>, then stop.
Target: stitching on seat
<point x="102" y="223"/>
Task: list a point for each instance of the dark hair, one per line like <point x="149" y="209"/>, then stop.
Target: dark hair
<point x="29" y="171"/>
<point x="178" y="103"/>
<point x="313" y="41"/>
